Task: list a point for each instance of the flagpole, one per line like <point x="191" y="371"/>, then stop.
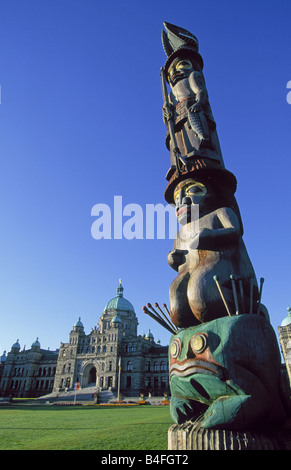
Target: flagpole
<point x="119" y="369"/>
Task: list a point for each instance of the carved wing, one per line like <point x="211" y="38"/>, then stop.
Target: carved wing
<point x="176" y="37"/>
<point x="196" y="125"/>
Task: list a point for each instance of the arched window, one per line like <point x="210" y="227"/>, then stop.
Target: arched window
<point x="163" y="366"/>
<point x="129" y="366"/>
<point x="156" y="366"/>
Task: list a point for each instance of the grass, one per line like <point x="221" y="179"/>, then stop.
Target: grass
<point x="25" y="427"/>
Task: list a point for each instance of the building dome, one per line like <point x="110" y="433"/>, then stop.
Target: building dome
<point x="3" y="357"/>
<point x="287" y="320"/>
<point x="149" y="336"/>
<point x="16" y="345"/>
<point x="116" y="320"/>
<point x="36" y="344"/>
<point x="119" y="302"/>
<point x="79" y="323"/>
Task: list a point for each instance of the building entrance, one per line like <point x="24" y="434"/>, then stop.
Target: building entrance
<point x="89" y="375"/>
<point x="92" y="376"/>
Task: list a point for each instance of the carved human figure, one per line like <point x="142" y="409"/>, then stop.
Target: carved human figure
<point x="204" y="248"/>
<point x="194" y="125"/>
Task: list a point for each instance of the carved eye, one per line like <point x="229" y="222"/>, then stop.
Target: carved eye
<point x="197" y="189"/>
<point x="184" y="64"/>
<point x="175" y="348"/>
<point x="199" y="343"/>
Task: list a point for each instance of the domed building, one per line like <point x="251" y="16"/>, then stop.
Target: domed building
<point x="113" y="356"/>
<point x="28" y="372"/>
<point x="285" y="341"/>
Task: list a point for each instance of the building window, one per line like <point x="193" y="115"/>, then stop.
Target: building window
<point x="128" y="382"/>
<point x="163" y="383"/>
<point x="129" y="366"/>
<point x="148" y="366"/>
<point x="163" y="367"/>
<point x="148" y="382"/>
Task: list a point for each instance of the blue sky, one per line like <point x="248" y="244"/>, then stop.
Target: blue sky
<point x="81" y="123"/>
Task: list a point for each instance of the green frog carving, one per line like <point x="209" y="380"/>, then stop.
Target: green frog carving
<point x="226" y="373"/>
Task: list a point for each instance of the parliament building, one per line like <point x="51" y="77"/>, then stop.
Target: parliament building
<point x="111" y="357"/>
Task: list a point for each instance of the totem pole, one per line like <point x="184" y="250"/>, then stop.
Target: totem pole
<point x="225" y="366"/>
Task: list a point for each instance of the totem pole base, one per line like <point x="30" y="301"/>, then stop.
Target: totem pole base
<point x="190" y="436"/>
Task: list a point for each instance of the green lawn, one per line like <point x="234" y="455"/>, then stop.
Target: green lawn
<point x="25" y="427"/>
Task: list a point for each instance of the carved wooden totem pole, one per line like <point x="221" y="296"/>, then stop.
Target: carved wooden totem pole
<point x="225" y="366"/>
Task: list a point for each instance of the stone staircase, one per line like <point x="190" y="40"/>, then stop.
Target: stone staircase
<point x="84" y="394"/>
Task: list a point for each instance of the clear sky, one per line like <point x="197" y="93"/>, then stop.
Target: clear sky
<point x="81" y="122"/>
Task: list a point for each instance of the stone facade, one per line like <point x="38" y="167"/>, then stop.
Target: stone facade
<point x="113" y="356"/>
<point x="28" y="373"/>
<point x="285" y="341"/>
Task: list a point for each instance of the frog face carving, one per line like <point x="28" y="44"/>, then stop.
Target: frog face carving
<point x="196" y="357"/>
<point x="226" y="373"/>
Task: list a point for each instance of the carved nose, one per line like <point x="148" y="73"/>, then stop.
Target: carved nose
<point x="186" y="200"/>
